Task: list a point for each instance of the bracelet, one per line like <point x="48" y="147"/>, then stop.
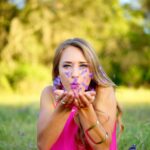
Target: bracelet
<point x="90" y="128"/>
<point x="93" y="126"/>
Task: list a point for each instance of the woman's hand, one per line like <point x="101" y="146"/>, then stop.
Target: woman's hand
<point x="69" y="99"/>
<point x="63" y="97"/>
<point x="84" y="99"/>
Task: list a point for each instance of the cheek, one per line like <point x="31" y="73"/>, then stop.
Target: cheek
<point x="65" y="73"/>
<point x="64" y="76"/>
<point x="85" y="75"/>
<point x="85" y="80"/>
<point x="65" y="79"/>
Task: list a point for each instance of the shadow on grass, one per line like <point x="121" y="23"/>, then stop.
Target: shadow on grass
<point x="18" y="127"/>
<point x="137" y="127"/>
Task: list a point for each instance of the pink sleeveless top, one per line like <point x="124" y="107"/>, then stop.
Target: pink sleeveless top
<point x="66" y="140"/>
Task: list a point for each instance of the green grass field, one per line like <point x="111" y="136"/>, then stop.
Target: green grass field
<point x="18" y="117"/>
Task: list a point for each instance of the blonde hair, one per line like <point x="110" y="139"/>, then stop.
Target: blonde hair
<point x="99" y="75"/>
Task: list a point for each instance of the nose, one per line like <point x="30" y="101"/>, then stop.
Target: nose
<point x="75" y="72"/>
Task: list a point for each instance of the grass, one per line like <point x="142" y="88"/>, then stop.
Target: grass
<point x="137" y="128"/>
<point x="18" y="117"/>
<point x="18" y="127"/>
<point x="136" y="112"/>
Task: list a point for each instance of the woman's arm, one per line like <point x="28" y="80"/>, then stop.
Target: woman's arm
<point x="105" y="101"/>
<point x="51" y="121"/>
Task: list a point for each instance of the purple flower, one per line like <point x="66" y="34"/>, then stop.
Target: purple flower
<point x="103" y="74"/>
<point x="86" y="87"/>
<point x="57" y="81"/>
<point x="84" y="71"/>
<point x="101" y="70"/>
<point x="68" y="74"/>
<point x="104" y="80"/>
<point x="53" y="88"/>
<point x="91" y="75"/>
<point x="92" y="89"/>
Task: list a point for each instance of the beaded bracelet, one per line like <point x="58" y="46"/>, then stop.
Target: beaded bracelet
<point x="90" y="128"/>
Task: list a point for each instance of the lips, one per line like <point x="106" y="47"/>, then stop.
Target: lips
<point x="74" y="86"/>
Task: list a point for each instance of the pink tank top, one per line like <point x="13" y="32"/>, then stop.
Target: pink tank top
<point x="66" y="140"/>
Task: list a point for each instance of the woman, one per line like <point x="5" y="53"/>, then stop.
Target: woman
<point x="79" y="112"/>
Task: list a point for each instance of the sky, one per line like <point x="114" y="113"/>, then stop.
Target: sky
<point x="19" y="3"/>
<point x="134" y="3"/>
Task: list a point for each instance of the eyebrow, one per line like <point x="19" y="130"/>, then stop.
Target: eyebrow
<point x="81" y="62"/>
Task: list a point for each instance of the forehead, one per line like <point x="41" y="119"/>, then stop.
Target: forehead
<point x="72" y="54"/>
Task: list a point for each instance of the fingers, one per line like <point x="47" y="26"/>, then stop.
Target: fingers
<point x="92" y="93"/>
<point x="86" y="98"/>
<point x="80" y="103"/>
<point x="58" y="92"/>
<point x="80" y="100"/>
<point x="67" y="100"/>
<point x="76" y="103"/>
<point x="60" y="97"/>
<point x="90" y="98"/>
<point x="84" y="102"/>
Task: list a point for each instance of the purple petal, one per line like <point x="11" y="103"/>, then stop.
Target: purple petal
<point x="91" y="75"/>
<point x="101" y="70"/>
<point x="68" y="74"/>
<point x="57" y="81"/>
<point x="86" y="87"/>
<point x="53" y="88"/>
<point x="84" y="71"/>
<point x="92" y="89"/>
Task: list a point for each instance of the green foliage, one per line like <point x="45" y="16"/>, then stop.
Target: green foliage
<point x="21" y="77"/>
<point x="120" y="35"/>
<point x="5" y="19"/>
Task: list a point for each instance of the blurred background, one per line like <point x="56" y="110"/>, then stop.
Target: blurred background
<point x="30" y="30"/>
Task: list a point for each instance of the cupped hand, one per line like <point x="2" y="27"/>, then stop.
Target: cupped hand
<point x="84" y="99"/>
<point x="63" y="97"/>
<point x="69" y="99"/>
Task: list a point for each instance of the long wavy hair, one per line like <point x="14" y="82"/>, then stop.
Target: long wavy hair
<point x="99" y="78"/>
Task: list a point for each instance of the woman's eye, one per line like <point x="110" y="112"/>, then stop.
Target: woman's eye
<point x="66" y="66"/>
<point x="83" y="66"/>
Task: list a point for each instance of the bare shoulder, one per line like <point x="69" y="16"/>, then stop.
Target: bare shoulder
<point x="105" y="91"/>
<point x="47" y="90"/>
<point x="47" y="97"/>
<point x="106" y="95"/>
<point x="46" y="107"/>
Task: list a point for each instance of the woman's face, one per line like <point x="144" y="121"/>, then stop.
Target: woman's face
<point x="74" y="70"/>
